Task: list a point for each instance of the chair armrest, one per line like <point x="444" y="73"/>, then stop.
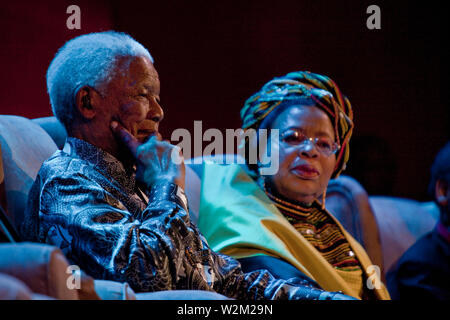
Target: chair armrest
<point x="112" y="290"/>
<point x="42" y="268"/>
<point x="13" y="289"/>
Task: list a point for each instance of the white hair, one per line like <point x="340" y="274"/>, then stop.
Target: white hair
<point x="87" y="60"/>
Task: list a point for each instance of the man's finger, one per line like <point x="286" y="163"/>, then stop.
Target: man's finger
<point x="125" y="136"/>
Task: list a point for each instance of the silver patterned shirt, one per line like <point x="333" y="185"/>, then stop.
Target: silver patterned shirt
<point x="85" y="202"/>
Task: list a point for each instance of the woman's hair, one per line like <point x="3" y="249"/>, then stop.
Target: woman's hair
<point x="301" y="88"/>
<point x="87" y="60"/>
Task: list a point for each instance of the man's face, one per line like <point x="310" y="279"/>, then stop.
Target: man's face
<point x="132" y="99"/>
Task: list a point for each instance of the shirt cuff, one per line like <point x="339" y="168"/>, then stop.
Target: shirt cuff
<point x="168" y="191"/>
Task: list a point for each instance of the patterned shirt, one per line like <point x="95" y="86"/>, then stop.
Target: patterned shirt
<point x="85" y="202"/>
<point x="316" y="226"/>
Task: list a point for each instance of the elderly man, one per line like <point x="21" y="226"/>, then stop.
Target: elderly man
<point x="113" y="199"/>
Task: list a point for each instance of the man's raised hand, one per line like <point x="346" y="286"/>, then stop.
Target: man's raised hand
<point x="155" y="160"/>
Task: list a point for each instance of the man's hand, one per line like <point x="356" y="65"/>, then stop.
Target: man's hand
<point x="156" y="160"/>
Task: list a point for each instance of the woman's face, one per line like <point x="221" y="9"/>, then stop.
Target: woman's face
<point x="304" y="171"/>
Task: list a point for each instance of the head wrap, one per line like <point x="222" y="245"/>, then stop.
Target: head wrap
<point x="302" y="86"/>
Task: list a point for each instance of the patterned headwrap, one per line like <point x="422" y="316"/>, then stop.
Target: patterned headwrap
<point x="299" y="86"/>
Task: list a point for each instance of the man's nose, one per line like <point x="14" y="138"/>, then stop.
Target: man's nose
<point x="155" y="112"/>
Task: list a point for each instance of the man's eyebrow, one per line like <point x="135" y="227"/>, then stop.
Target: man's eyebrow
<point x="151" y="88"/>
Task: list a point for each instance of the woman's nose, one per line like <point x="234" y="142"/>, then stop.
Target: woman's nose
<point x="308" y="149"/>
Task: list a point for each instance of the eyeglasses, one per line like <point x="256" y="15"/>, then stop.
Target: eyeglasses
<point x="324" y="145"/>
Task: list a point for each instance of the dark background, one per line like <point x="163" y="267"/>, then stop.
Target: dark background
<point x="212" y="55"/>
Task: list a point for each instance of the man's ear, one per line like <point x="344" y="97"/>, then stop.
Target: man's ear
<point x="86" y="102"/>
<point x="442" y="193"/>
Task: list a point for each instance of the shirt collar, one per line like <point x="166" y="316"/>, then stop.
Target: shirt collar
<point x="103" y="161"/>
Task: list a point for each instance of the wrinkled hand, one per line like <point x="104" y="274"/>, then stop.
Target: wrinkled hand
<point x="155" y="160"/>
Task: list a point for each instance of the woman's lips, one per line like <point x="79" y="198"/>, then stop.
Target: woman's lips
<point x="306" y="171"/>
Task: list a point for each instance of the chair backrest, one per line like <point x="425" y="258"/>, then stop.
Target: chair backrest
<point x="54" y="128"/>
<point x="401" y="223"/>
<point x="194" y="179"/>
<point x="24" y="147"/>
<point x="349" y="202"/>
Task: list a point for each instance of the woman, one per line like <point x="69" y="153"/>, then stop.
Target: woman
<point x="279" y="222"/>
